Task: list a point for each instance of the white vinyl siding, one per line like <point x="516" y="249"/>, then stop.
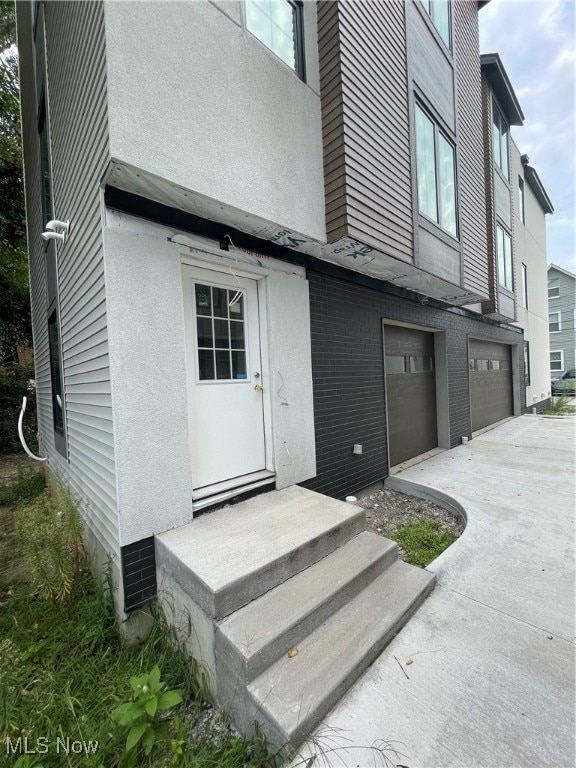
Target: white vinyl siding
<point x="77" y="108"/>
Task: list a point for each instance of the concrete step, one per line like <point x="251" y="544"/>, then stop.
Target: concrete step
<point x="256" y="636"/>
<point x="290" y="698"/>
<point x="225" y="559"/>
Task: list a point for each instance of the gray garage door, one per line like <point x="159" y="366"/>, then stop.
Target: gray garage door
<point x="410" y="392"/>
<point x="490" y="382"/>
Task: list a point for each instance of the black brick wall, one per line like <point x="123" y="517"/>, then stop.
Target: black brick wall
<point x="348" y="375"/>
<point x="540" y="406"/>
<point x="139" y="573"/>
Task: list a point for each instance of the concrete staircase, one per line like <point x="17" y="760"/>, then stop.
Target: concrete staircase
<point x="287" y="570"/>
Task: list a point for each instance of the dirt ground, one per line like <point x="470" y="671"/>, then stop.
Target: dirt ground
<point x="385" y="509"/>
<point x="10" y="464"/>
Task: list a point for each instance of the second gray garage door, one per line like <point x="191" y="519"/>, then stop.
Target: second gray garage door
<point x="410" y="392"/>
<point x="491" y="397"/>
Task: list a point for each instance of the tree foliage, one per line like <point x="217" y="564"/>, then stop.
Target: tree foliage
<point x="14" y="296"/>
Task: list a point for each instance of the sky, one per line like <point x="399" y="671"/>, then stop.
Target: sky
<point x="536" y="42"/>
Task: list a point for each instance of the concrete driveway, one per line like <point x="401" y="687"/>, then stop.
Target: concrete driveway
<point x="491" y="683"/>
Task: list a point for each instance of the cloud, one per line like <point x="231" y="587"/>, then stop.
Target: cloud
<point x="567" y="56"/>
<point x="535" y="41"/>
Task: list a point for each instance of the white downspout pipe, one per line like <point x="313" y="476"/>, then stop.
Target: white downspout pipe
<point x="21" y="433"/>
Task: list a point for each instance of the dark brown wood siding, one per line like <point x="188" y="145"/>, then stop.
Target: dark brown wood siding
<point x="471" y="147"/>
<point x="364" y="89"/>
<point x="332" y="119"/>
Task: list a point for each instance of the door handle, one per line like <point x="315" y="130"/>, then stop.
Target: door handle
<point x="258" y="387"/>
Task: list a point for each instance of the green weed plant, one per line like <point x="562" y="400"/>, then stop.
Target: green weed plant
<point x="423" y="541"/>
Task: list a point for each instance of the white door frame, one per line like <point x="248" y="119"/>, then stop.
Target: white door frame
<point x="205" y="260"/>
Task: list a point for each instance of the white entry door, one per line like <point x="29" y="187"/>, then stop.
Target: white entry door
<point x="226" y="414"/>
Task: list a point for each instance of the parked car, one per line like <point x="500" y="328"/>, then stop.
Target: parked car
<point x="565" y="384"/>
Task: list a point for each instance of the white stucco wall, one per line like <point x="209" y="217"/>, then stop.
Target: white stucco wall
<point x="290" y="356"/>
<point x="148" y="380"/>
<point x="530" y="249"/>
<point x="196" y="99"/>
<point x="148" y="369"/>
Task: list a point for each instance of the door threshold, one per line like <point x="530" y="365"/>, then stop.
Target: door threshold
<point x="220" y="492"/>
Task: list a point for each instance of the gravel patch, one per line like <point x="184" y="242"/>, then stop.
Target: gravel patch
<point x="386" y="509"/>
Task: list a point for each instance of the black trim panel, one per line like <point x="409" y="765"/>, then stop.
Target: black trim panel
<point x="139" y="573"/>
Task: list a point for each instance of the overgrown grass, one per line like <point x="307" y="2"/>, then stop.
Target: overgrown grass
<point x="64" y="667"/>
<point x="423" y="541"/>
<point x="24" y="486"/>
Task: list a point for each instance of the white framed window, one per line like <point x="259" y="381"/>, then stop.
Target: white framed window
<point x="524" y="295"/>
<point x="500" y="140"/>
<point x="504" y="255"/>
<point x="557" y="361"/>
<point x="555" y="322"/>
<point x="521" y="210"/>
<point x="439" y="12"/>
<point x="436" y="173"/>
<point x="278" y="25"/>
<point x="553" y="287"/>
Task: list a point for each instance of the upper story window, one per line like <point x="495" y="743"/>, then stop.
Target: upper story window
<point x="521" y="210"/>
<point x="504" y="254"/>
<point x="555" y="322"/>
<point x="557" y="360"/>
<point x="500" y="140"/>
<point x="524" y="297"/>
<point x="278" y="24"/>
<point x="439" y="12"/>
<point x="527" y="363"/>
<point x="553" y="287"/>
<point x="436" y="172"/>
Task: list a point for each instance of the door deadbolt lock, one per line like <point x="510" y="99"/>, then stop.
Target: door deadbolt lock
<point x="258" y="387"/>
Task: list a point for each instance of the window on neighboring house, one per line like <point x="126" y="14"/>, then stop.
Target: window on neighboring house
<point x="521" y="213"/>
<point x="500" y="140"/>
<point x="553" y="287"/>
<point x="556" y="361"/>
<point x="278" y="25"/>
<point x="439" y="12"/>
<point x="504" y="254"/>
<point x="527" y="363"/>
<point x="554" y="322"/>
<point x="436" y="172"/>
<point x="524" y="297"/>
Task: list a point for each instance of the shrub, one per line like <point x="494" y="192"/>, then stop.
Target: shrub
<point x="15" y="383"/>
<point x="558" y="406"/>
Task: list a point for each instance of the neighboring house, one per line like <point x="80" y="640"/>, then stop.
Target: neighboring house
<point x="517" y="205"/>
<point x="561" y="320"/>
<point x="290" y="254"/>
<point x="530" y="206"/>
